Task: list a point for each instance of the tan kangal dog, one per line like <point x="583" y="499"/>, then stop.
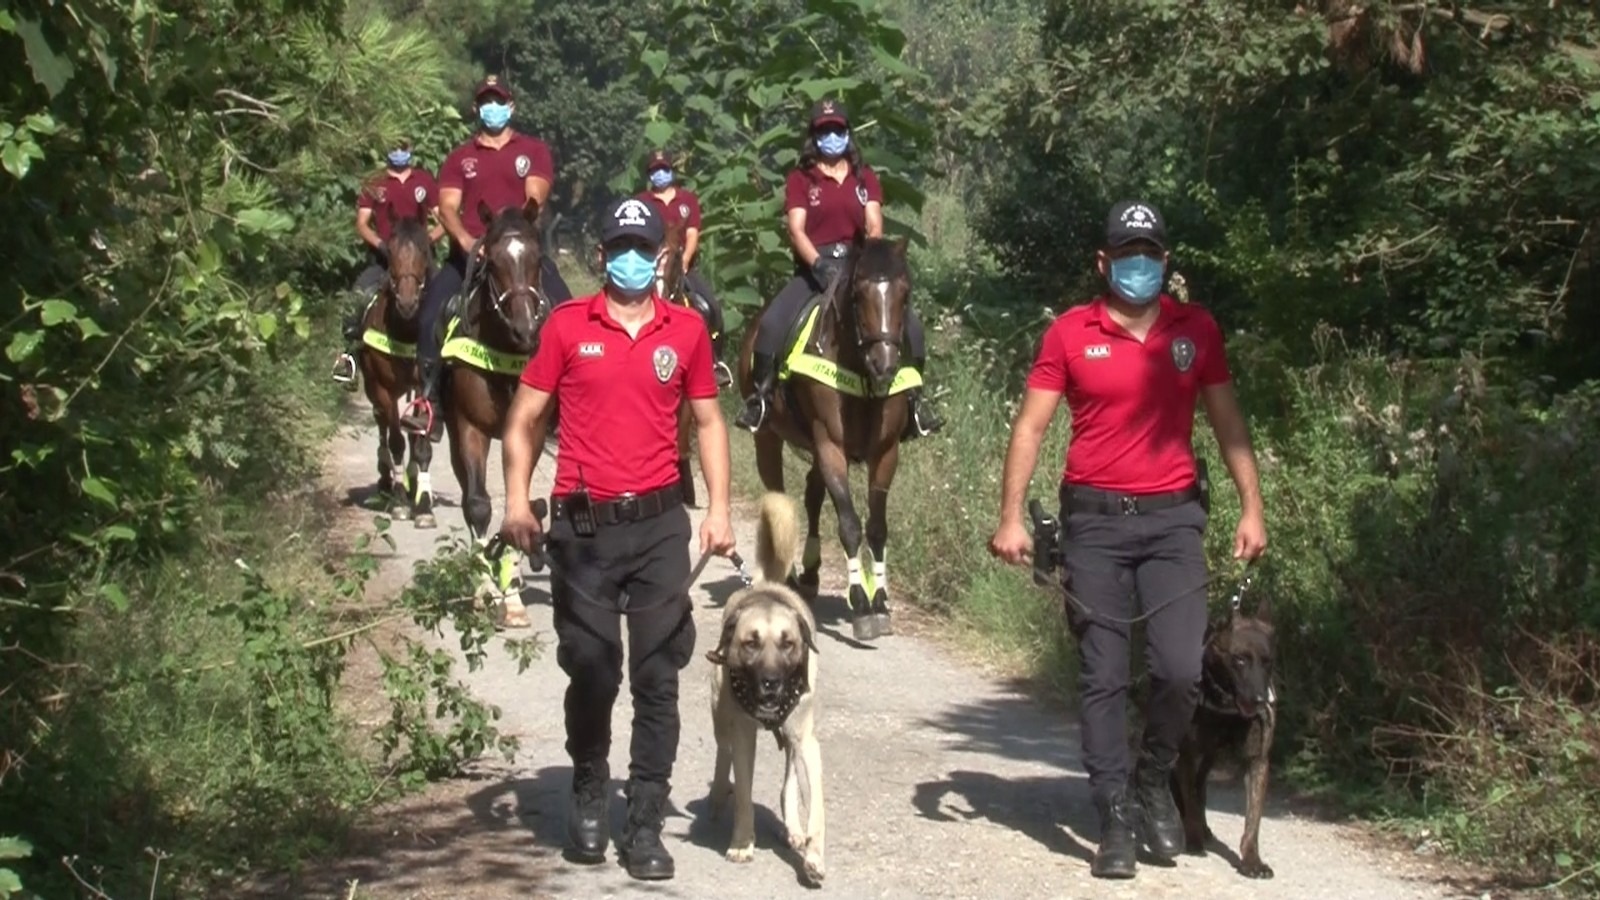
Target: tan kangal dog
<point x="764" y="675"/>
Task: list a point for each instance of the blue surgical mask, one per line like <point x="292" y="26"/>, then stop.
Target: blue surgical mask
<point x="660" y="178"/>
<point x="399" y="159"/>
<point x="1137" y="279"/>
<point x="632" y="271"/>
<point x="494" y="116"/>
<point x="834" y="144"/>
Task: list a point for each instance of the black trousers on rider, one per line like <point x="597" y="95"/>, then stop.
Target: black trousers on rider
<point x="447" y="282"/>
<point x="1109" y="559"/>
<point x="372" y="276"/>
<point x="782" y="315"/>
<point x="634" y="570"/>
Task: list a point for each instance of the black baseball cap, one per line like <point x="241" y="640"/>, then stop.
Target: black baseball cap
<point x="658" y="159"/>
<point x="829" y="112"/>
<point x="633" y="218"/>
<point x="1135" y="220"/>
<point x="491" y="84"/>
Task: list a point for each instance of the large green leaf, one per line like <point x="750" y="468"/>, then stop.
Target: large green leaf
<point x="50" y="69"/>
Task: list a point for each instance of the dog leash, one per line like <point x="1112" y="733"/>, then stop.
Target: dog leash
<point x="539" y="559"/>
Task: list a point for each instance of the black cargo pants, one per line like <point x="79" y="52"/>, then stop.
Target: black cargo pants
<point x="634" y="570"/>
<point x="1110" y="557"/>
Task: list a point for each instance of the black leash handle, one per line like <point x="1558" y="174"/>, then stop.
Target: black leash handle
<point x="497" y="546"/>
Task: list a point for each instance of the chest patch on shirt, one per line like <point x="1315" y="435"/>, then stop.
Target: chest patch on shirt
<point x="1183" y="353"/>
<point x="683" y="210"/>
<point x="1097" y="351"/>
<point x="861" y="194"/>
<point x="469" y="167"/>
<point x="665" y="360"/>
<point x="523" y="164"/>
<point x="420" y="194"/>
<point x="591" y="349"/>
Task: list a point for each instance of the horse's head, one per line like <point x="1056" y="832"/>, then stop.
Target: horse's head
<point x="512" y="255"/>
<point x="669" y="281"/>
<point x="408" y="249"/>
<point x="873" y="300"/>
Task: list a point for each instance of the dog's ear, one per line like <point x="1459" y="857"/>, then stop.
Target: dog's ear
<point x="719" y="656"/>
<point x="806" y="635"/>
<point x="1264" y="609"/>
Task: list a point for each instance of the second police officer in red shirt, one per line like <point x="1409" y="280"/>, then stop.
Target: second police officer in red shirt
<point x="1131" y="365"/>
<point x="620" y="363"/>
<point x="499" y="167"/>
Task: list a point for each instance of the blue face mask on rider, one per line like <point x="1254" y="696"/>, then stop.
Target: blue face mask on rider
<point x="834" y="143"/>
<point x="399" y="159"/>
<point x="660" y="178"/>
<point x="494" y="116"/>
<point x="1137" y="279"/>
<point x="631" y="270"/>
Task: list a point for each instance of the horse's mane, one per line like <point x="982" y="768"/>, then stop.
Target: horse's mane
<point x="413" y="232"/>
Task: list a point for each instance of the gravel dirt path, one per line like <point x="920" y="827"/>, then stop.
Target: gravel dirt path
<point x="940" y="781"/>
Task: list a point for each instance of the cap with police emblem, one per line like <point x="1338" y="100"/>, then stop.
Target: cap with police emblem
<point x="1135" y="220"/>
<point x="491" y="85"/>
<point x="829" y="112"/>
<point x="658" y="159"/>
<point x="633" y="218"/>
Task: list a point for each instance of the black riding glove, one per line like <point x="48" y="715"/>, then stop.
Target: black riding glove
<point x="823" y="269"/>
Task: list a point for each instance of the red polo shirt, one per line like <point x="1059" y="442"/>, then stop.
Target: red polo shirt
<point x="683" y="207"/>
<point x="497" y="176"/>
<point x="835" y="211"/>
<point x="619" y="396"/>
<point x="1132" y="404"/>
<point x="417" y="194"/>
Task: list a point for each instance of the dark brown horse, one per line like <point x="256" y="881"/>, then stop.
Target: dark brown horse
<point x="859" y="328"/>
<point x="389" y="376"/>
<point x="502" y="316"/>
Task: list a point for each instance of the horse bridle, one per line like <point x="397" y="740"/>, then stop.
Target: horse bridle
<point x="865" y="338"/>
<point x="499" y="300"/>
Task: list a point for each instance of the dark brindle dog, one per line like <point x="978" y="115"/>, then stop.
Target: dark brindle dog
<point x="1237" y="712"/>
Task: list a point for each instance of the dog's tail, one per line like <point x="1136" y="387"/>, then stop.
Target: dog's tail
<point x="776" y="535"/>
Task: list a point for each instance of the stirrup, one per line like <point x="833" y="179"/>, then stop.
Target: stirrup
<point x="723" y="374"/>
<point x="407" y="420"/>
<point x="344" y="368"/>
<point x="758" y="403"/>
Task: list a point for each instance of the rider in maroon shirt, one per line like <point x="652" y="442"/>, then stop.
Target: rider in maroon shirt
<point x="679" y="204"/>
<point x="830" y="198"/>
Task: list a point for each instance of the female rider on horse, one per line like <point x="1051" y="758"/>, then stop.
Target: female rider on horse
<point x="679" y="204"/>
<point x="498" y="167"/>
<point x="830" y="199"/>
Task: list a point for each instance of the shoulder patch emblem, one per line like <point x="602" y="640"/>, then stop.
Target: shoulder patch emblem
<point x="861" y="194"/>
<point x="665" y="361"/>
<point x="1183" y="353"/>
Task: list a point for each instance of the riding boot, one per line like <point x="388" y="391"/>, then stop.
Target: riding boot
<point x="754" y="414"/>
<point x="641" y="849"/>
<point x="1117" y="855"/>
<point x="587" y="825"/>
<point x="1163" y="826"/>
<point x="922" y="419"/>
<point x="426" y="416"/>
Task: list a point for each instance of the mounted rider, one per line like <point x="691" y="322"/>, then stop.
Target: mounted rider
<point x="679" y="204"/>
<point x="831" y="198"/>
<point x="400" y="190"/>
<point x="498" y="167"/>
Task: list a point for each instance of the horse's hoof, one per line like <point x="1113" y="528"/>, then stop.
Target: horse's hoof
<point x="881" y="623"/>
<point x="865" y="627"/>
<point x="880" y="612"/>
<point x="400" y="512"/>
<point x="516" y="618"/>
<point x="807" y="585"/>
<point x="425" y="521"/>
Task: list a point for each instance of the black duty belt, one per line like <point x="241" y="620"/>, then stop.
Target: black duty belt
<point x="628" y="507"/>
<point x="836" y="250"/>
<point x="1106" y="503"/>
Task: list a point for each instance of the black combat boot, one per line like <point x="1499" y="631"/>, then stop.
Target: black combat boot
<point x="641" y="849"/>
<point x="587" y="829"/>
<point x="1117" y="855"/>
<point x="762" y="371"/>
<point x="1163" y="827"/>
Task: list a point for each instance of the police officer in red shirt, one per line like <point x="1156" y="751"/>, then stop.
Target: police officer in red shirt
<point x="1131" y="365"/>
<point x="620" y="363"/>
<point x="830" y="198"/>
<point x="500" y="167"/>
<point x="406" y="191"/>
<point x="679" y="204"/>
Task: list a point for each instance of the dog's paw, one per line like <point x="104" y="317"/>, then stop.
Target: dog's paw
<point x="797" y="840"/>
<point x="741" y="854"/>
<point x="1255" y="868"/>
<point x="814" y="868"/>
